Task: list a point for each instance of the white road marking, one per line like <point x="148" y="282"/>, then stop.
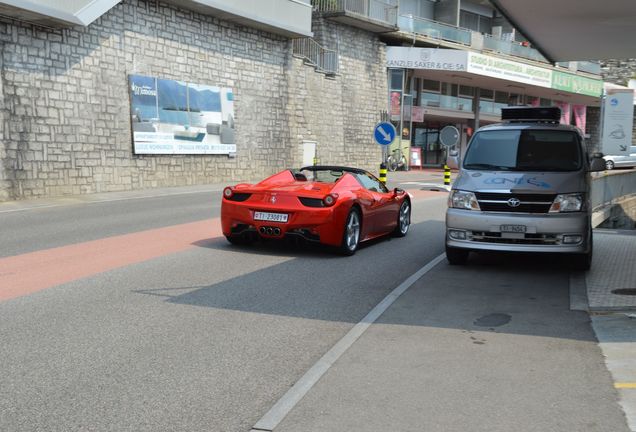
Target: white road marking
<point x="275" y="415"/>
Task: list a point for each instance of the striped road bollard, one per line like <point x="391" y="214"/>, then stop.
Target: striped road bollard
<point x="446" y="175"/>
<point x="383" y="173"/>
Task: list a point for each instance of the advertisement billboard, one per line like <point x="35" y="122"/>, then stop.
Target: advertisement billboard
<point x="618" y="117"/>
<point x="177" y="117"/>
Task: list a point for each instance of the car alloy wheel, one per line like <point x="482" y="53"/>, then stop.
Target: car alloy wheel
<point x="351" y="235"/>
<point x="404" y="219"/>
<point x="609" y="165"/>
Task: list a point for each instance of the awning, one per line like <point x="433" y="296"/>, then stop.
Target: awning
<point x="568" y="30"/>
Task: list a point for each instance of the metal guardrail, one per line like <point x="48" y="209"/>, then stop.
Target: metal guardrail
<point x="323" y="59"/>
<point x="434" y="29"/>
<point x="609" y="187"/>
<point x="385" y="11"/>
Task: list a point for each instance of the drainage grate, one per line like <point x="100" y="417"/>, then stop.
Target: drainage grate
<point x="625" y="291"/>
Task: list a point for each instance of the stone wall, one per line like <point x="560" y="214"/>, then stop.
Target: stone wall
<point x="618" y="71"/>
<point x="339" y="112"/>
<point x="65" y="109"/>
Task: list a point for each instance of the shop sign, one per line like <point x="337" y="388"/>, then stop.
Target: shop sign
<point x="618" y="118"/>
<point x="576" y="84"/>
<point x="426" y="58"/>
<point x="509" y="70"/>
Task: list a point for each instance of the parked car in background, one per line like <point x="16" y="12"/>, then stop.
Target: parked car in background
<point x="621" y="161"/>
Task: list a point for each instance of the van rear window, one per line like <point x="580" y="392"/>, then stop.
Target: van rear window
<point x="524" y="150"/>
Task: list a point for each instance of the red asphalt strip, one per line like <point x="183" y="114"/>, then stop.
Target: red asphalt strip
<point x="32" y="272"/>
<point x="28" y="273"/>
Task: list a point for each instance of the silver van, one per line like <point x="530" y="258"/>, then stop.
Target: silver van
<point x="523" y="186"/>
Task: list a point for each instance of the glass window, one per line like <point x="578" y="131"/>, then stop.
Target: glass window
<point x="469" y="20"/>
<point x="466" y="90"/>
<point x="546" y="102"/>
<point x="396" y="79"/>
<point x="371" y="183"/>
<point x="430" y="85"/>
<point x="485" y="24"/>
<point x="486" y="94"/>
<point x="449" y="89"/>
<point x="501" y="97"/>
<point x="527" y="150"/>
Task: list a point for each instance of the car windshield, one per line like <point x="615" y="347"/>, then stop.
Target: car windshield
<point x="524" y="150"/>
<point x="324" y="176"/>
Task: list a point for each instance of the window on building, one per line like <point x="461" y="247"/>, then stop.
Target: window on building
<point x="475" y="22"/>
<point x="465" y="101"/>
<point x="486" y="101"/>
<point x="430" y="95"/>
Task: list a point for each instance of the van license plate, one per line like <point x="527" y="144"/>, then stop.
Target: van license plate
<point x="513" y="228"/>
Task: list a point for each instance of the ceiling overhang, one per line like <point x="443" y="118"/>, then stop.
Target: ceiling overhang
<point x="290" y="18"/>
<point x="569" y="30"/>
<point x="49" y="13"/>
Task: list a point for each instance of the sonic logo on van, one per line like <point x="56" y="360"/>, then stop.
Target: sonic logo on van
<point x="517" y="181"/>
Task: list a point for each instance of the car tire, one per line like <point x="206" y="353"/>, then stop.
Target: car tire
<point x="351" y="234"/>
<point x="609" y="165"/>
<point x="581" y="261"/>
<point x="456" y="256"/>
<point x="403" y="219"/>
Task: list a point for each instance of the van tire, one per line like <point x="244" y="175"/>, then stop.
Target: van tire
<point x="581" y="261"/>
<point x="456" y="256"/>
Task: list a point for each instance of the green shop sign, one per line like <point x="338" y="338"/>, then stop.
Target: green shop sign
<point x="576" y="84"/>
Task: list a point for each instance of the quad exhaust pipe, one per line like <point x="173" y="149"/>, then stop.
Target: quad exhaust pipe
<point x="270" y="231"/>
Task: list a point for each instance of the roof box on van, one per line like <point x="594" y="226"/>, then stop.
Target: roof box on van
<point x="531" y="114"/>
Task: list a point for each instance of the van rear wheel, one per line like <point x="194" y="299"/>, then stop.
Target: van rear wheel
<point x="456" y="256"/>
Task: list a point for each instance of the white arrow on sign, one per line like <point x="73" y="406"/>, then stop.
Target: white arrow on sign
<point x="385" y="135"/>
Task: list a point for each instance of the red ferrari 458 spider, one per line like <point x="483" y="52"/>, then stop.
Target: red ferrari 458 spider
<point x="332" y="205"/>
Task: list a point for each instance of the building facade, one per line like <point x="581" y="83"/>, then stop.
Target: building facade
<point x="114" y="95"/>
<point x="66" y="98"/>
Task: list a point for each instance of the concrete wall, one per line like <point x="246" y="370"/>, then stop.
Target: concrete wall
<point x="65" y="110"/>
<point x="340" y="113"/>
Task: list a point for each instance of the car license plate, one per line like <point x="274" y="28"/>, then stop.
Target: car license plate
<point x="513" y="228"/>
<point x="270" y="217"/>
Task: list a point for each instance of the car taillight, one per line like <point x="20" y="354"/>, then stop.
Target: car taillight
<point x="228" y="192"/>
<point x="330" y="200"/>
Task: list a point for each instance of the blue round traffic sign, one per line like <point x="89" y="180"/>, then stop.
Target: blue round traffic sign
<point x="384" y="133"/>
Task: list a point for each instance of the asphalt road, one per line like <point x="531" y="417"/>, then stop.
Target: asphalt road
<point x="207" y="337"/>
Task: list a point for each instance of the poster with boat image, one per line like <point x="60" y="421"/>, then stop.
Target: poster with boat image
<point x="177" y="117"/>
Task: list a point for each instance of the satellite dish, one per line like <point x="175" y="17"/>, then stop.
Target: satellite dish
<point x="449" y="136"/>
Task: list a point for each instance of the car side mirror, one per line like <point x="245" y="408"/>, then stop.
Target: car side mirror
<point x="398" y="192"/>
<point x="453" y="159"/>
<point x="597" y="164"/>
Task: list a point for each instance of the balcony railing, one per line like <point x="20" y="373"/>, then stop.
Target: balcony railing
<point x="434" y="29"/>
<point x="512" y="48"/>
<point x="583" y="66"/>
<point x="384" y="11"/>
<point x="323" y="59"/>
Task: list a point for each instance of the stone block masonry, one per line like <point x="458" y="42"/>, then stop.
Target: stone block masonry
<point x="65" y="107"/>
